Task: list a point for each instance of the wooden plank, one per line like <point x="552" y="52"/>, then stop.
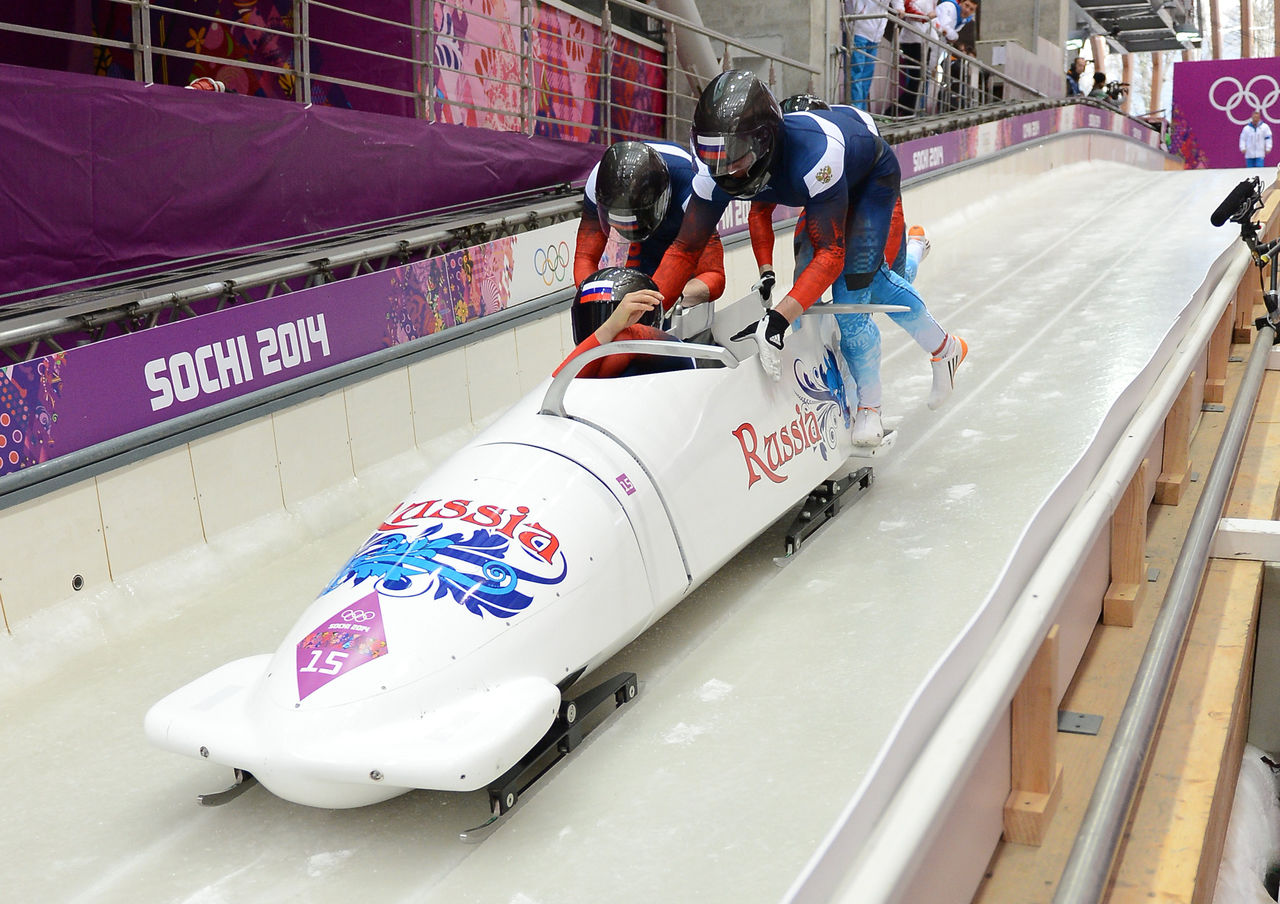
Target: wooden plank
<point x="1036" y="774"/>
<point x="1174" y="843"/>
<point x="1176" y="463"/>
<point x="1128" y="551"/>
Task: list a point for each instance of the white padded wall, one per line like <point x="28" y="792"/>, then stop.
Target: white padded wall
<point x="491" y="375"/>
<point x="237" y="476"/>
<point x="379" y="419"/>
<point x="312" y="447"/>
<point x="440" y="397"/>
<point x="62" y="531"/>
<point x="149" y="510"/>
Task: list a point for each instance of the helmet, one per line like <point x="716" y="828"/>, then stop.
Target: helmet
<point x="633" y="189"/>
<point x="600" y="293"/>
<point x="798" y="103"/>
<point x="737" y="124"/>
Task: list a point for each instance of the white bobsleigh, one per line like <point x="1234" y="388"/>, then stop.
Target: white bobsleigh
<point x="436" y="656"/>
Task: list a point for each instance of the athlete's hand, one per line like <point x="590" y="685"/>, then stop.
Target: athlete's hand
<point x="765" y="285"/>
<point x="633" y="306"/>
<point x="768" y="332"/>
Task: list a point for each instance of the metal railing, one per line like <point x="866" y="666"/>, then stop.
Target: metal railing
<point x="534" y="66"/>
<point x="918" y="74"/>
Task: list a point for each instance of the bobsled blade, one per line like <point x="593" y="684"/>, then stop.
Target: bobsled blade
<point x="565" y="734"/>
<point x="824" y="503"/>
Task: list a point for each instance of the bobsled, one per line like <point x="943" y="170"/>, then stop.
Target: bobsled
<point x="440" y="653"/>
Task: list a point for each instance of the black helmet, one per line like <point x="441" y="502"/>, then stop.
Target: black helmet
<point x="737" y="121"/>
<point x="600" y="293"/>
<point x="798" y="103"/>
<point x="633" y="189"/>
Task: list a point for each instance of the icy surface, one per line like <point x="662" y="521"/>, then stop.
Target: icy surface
<point x="764" y="697"/>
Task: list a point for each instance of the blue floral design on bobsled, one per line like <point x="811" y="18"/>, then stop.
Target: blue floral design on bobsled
<point x="824" y="385"/>
<point x="477" y="578"/>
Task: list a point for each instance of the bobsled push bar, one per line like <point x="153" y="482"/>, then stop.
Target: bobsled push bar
<point x="562" y="737"/>
<point x="553" y="401"/>
<point x="831" y="307"/>
<point x="823" y="504"/>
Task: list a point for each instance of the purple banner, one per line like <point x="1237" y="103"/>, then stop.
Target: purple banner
<point x="155" y="174"/>
<point x="923" y="155"/>
<point x="1212" y="101"/>
<point x="62" y="403"/>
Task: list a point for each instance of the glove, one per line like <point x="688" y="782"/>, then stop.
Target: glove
<point x="767" y="331"/>
<point x="765" y="285"/>
<point x="774" y="326"/>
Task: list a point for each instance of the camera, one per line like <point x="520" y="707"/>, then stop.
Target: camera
<point x="1116" y="91"/>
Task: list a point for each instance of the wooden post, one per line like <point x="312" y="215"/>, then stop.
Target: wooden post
<point x="1175" y="468"/>
<point x="1248" y="294"/>
<point x="1157" y="80"/>
<point x="1126" y="76"/>
<point x="1128" y="552"/>
<point x="1215" y="382"/>
<point x="1246" y="29"/>
<point x="1036" y="778"/>
<point x="1215" y="31"/>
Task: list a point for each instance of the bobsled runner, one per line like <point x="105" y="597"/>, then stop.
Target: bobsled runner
<point x="440" y="655"/>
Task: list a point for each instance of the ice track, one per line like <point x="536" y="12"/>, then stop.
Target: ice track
<point x="765" y="697"/>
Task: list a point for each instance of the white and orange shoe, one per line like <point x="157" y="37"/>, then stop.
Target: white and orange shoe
<point x="868" y="429"/>
<point x="918" y="243"/>
<point x="945" y="363"/>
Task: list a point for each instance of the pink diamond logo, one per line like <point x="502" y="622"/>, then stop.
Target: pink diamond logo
<point x="347" y="640"/>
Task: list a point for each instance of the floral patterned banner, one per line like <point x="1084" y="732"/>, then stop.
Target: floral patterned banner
<point x="62" y="403"/>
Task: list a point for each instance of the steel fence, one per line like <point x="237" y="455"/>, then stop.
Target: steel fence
<point x="541" y="67"/>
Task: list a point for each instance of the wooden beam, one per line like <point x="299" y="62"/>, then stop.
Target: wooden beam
<point x="1175" y="467"/>
<point x="1128" y="552"/>
<point x="1036" y="777"/>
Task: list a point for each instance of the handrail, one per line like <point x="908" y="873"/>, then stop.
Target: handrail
<point x="971" y="84"/>
<point x="491" y="97"/>
<point x="553" y="401"/>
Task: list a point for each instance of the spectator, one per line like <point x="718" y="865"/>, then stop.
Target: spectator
<point x="953" y="16"/>
<point x="912" y="53"/>
<point x="1073" y="77"/>
<point x="640" y="190"/>
<point x="866" y="29"/>
<point x="1099" y="90"/>
<point x="1255" y="140"/>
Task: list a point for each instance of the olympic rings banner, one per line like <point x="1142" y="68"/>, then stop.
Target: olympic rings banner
<point x="1213" y="99"/>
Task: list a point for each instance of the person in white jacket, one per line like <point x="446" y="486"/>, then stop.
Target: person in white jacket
<point x="864" y="24"/>
<point x="1255" y="140"/>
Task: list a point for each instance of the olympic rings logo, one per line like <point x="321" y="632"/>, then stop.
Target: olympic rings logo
<point x="358" y="615"/>
<point x="1245" y="97"/>
<point x="552" y="263"/>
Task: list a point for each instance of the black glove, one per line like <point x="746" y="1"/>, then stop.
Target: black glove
<point x="765" y="285"/>
<point x="774" y="326"/>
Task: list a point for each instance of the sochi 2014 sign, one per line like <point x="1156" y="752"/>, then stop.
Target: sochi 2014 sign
<point x="1212" y="101"/>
